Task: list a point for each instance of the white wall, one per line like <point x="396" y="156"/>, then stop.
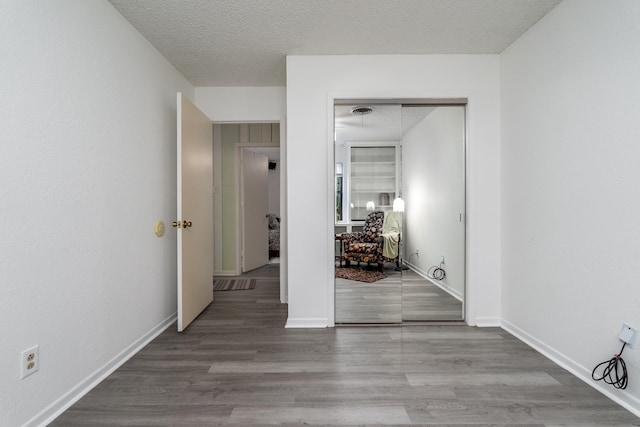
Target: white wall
<point x="87" y="167"/>
<point x="570" y="185"/>
<point x="243" y="104"/>
<point x="312" y="83"/>
<point x="434" y="193"/>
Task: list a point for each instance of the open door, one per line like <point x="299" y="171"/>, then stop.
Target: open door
<point x="254" y="205"/>
<point x="195" y="212"/>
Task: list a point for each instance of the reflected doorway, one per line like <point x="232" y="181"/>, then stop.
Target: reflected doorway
<point x="402" y="164"/>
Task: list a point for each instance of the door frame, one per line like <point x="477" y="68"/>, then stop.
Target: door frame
<point x="468" y="306"/>
<point x="283" y="194"/>
<point x="284" y="297"/>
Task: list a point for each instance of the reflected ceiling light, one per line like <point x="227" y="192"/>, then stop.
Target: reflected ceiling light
<point x="398" y="204"/>
<point x="370" y="205"/>
<point x="361" y="110"/>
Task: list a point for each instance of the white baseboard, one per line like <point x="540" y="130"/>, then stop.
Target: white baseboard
<point x="226" y="273"/>
<point x="487" y="322"/>
<point x="54" y="410"/>
<point x="307" y="323"/>
<point x="621" y="397"/>
<point x="444" y="286"/>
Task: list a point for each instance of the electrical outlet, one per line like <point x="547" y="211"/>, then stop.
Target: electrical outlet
<point x="30" y="361"/>
<point x="628" y="334"/>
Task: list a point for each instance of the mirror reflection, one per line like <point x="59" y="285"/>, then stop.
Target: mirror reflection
<point x="399" y="212"/>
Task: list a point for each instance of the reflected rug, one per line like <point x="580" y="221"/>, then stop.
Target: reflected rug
<point x="368" y="276"/>
<point x="233" y="284"/>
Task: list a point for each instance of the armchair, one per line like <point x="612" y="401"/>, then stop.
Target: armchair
<point x="367" y="245"/>
<point x="274" y="235"/>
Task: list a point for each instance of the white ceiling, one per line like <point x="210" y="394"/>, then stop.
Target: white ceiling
<point x="384" y="123"/>
<point x="272" y="153"/>
<point x="245" y="42"/>
<point x="387" y="122"/>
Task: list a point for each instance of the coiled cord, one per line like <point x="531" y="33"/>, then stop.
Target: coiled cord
<point x="437" y="272"/>
<point x="615" y="371"/>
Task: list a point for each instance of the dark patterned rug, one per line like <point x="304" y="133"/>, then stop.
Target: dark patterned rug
<point x="368" y="276"/>
<point x="233" y="284"/>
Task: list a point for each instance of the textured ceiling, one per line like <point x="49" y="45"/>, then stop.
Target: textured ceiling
<point x="245" y="42"/>
<point x="386" y="122"/>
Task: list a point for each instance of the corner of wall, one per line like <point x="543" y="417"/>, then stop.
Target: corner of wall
<point x="621" y="397"/>
<point x="306" y="323"/>
<point x="51" y="412"/>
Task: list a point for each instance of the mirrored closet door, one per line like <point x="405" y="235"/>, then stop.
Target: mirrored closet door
<point x="400" y="212"/>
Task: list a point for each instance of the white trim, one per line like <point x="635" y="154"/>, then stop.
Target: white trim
<point x="237" y="156"/>
<point x="331" y="215"/>
<point x="217" y="196"/>
<point x="284" y="289"/>
<point x="225" y="273"/>
<point x="179" y="114"/>
<point x="51" y="412"/>
<point x="622" y="398"/>
<point x="486" y="322"/>
<point x="469" y="303"/>
<point x="444" y="286"/>
<point x="309" y="322"/>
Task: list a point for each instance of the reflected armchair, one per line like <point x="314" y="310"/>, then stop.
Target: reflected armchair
<point x="274" y="235"/>
<point x="368" y="245"/>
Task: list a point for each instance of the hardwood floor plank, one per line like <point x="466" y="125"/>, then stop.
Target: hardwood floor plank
<point x="422" y="300"/>
<point x="332" y="415"/>
<point x="510" y="379"/>
<point x="237" y="365"/>
<point x="401" y="296"/>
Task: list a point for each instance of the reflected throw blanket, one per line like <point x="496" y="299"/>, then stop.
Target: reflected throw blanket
<point x="391" y="229"/>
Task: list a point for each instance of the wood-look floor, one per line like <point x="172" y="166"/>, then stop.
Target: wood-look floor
<point x="377" y="302"/>
<point x="402" y="296"/>
<point x="237" y="365"/>
<point x="424" y="301"/>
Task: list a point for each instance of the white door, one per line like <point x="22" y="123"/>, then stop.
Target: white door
<point x="254" y="205"/>
<point x="195" y="212"/>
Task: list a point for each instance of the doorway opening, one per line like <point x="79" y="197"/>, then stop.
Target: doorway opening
<point x="243" y="230"/>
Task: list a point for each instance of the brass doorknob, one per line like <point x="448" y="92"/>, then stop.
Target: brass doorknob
<point x="181" y="224"/>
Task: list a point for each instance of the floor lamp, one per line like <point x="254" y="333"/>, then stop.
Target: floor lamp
<point x="398" y="206"/>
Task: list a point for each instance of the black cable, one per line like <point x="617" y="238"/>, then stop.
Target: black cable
<point x="436" y="272"/>
<point x="615" y="371"/>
